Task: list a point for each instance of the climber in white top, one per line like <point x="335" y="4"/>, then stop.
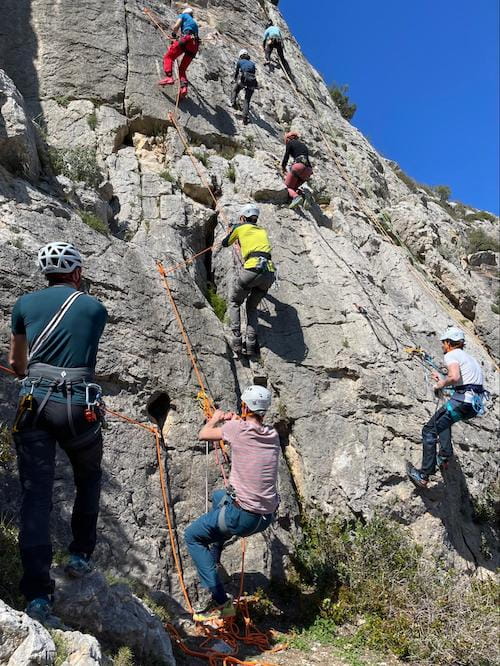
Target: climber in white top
<point x="465" y="376"/>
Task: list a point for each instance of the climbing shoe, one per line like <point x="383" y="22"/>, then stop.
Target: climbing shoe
<point x="296" y="202"/>
<point x="78" y="566"/>
<point x="416" y="476"/>
<point x="215" y="611"/>
<point x="183" y="91"/>
<point x="167" y="81"/>
<point x="39" y="609"/>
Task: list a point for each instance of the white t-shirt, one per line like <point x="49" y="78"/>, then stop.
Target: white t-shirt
<point x="470" y="370"/>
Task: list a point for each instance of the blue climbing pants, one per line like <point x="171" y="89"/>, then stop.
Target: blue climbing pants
<point x="439" y="427"/>
<point x="209" y="530"/>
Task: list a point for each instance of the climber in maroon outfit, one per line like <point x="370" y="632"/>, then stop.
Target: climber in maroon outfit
<point x="300" y="171"/>
<point x="188" y="45"/>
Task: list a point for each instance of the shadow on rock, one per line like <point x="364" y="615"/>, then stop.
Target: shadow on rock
<point x="451" y="502"/>
<point x="284" y="335"/>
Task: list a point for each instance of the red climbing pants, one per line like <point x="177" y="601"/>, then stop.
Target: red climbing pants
<point x="297" y="176"/>
<point x="187" y="45"/>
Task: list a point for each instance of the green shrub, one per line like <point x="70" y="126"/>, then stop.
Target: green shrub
<point x="10" y="564"/>
<point x="248" y="146"/>
<point x="373" y="577"/>
<point x="92" y="120"/>
<point x="231" y="173"/>
<point x="77" y="164"/>
<point x="218" y="304"/>
<point x="339" y="95"/>
<point x="443" y="192"/>
<point x="123" y="657"/>
<point x="62" y="650"/>
<point x="481" y="215"/>
<point x="478" y="241"/>
<point x="202" y="157"/>
<point x="166" y="175"/>
<point x="62" y="100"/>
<point x="94" y="222"/>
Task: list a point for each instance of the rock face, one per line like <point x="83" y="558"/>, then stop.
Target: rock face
<point x="113" y="614"/>
<point x="23" y="642"/>
<point x="348" y="400"/>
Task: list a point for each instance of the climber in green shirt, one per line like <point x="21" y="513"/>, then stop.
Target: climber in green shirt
<point x="253" y="280"/>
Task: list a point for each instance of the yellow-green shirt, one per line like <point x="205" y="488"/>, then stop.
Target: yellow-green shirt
<point x="251" y="239"/>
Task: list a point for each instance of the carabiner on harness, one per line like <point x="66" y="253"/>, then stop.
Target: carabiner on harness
<point x="93" y="410"/>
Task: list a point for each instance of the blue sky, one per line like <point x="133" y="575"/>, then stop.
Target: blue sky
<point x="425" y="78"/>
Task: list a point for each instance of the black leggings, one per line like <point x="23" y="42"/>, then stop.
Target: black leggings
<point x="36" y="453"/>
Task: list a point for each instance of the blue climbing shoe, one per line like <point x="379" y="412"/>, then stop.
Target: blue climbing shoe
<point x="39" y="609"/>
<point x="416" y="476"/>
<point x="78" y="566"/>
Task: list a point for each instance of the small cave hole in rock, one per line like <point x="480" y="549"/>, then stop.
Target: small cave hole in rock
<point x="158" y="407"/>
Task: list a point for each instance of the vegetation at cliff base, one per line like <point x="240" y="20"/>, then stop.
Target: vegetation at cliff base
<point x="10" y="564"/>
<point x="372" y="581"/>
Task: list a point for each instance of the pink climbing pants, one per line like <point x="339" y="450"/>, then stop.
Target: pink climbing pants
<point x="297" y="176"/>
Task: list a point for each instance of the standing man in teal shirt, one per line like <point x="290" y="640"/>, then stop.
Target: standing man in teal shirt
<point x="55" y="336"/>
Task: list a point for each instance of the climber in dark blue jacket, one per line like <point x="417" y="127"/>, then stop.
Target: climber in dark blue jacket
<point x="244" y="77"/>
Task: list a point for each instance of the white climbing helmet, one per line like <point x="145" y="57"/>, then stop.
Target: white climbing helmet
<point x="58" y="257"/>
<point x="243" y="54"/>
<point x="249" y="211"/>
<point x="257" y="399"/>
<point x="453" y="333"/>
<point x="187" y="10"/>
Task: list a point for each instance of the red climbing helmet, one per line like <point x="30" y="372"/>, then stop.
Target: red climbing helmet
<point x="291" y="135"/>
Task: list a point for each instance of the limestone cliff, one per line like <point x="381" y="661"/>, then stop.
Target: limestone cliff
<point x="78" y="96"/>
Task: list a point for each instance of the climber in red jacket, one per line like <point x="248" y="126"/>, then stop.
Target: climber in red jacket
<point x="301" y="169"/>
<point x="188" y="44"/>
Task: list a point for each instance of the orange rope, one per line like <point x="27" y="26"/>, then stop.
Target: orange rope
<point x="205" y="400"/>
<point x="166" y="508"/>
<point x="153" y="18"/>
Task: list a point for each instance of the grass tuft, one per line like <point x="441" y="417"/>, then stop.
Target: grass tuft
<point x="217" y="303"/>
<point x="94" y="222"/>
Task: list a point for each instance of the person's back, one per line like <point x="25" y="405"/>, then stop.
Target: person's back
<point x="246" y="65"/>
<point x="188" y="25"/>
<point x="254" y="278"/>
<point x="254" y="476"/>
<point x="296" y="148"/>
<point x="252" y="239"/>
<point x="272" y="32"/>
<point x="55" y="335"/>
